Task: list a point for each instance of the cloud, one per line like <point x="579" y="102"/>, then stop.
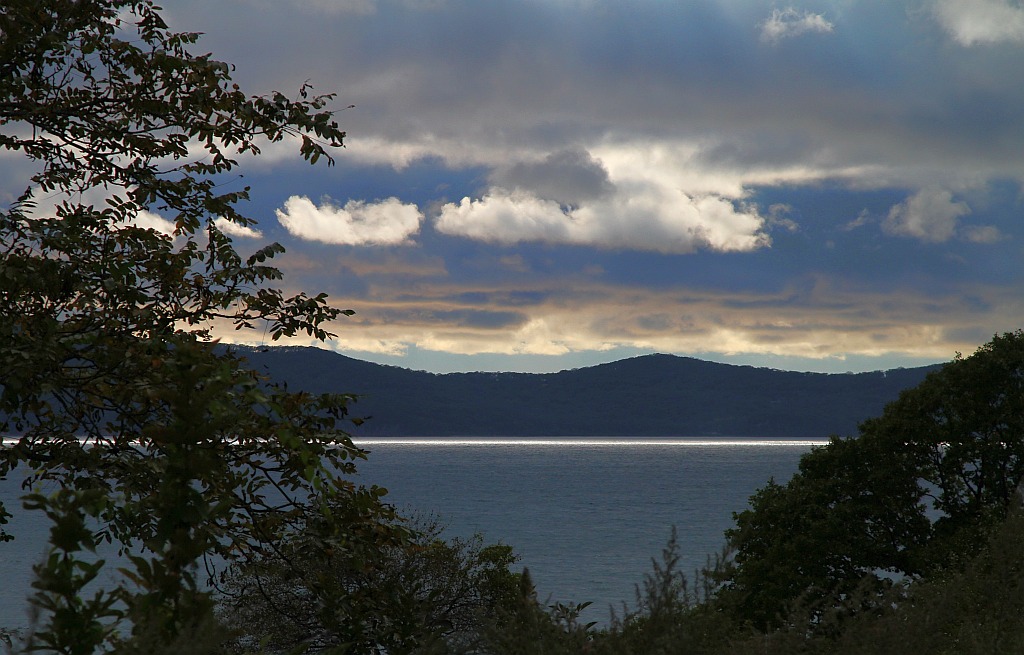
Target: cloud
<point x="385" y="222"/>
<point x="390" y="54"/>
<point x="236" y="230"/>
<point x="863" y="218"/>
<point x="568" y="177"/>
<point x="648" y="218"/>
<point x="356" y="7"/>
<point x="149" y="220"/>
<point x="778" y="217"/>
<point x="517" y="81"/>
<point x="982" y="234"/>
<point x="981" y="22"/>
<point x="929" y="215"/>
<point x="574" y="315"/>
<point x="343" y="6"/>
<point x="620" y="194"/>
<point x="364" y="7"/>
<point x="787" y="23"/>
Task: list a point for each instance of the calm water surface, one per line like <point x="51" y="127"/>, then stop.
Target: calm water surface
<point x="585" y="515"/>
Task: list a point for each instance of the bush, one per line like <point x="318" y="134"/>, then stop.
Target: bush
<point x="420" y="594"/>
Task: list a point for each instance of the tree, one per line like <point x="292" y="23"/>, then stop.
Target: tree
<point x="671" y="614"/>
<point x="422" y="595"/>
<point x="158" y="442"/>
<point x="849" y="514"/>
<point x="976" y="610"/>
<point x="913" y="495"/>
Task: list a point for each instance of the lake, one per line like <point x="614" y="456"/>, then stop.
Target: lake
<point x="585" y="515"/>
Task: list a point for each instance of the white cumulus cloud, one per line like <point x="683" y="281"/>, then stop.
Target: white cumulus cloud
<point x="652" y="219"/>
<point x="787" y="23"/>
<point x="384" y="222"/>
<point x="981" y="22"/>
<point x="236" y="230"/>
<point x="930" y="215"/>
<point x="149" y="220"/>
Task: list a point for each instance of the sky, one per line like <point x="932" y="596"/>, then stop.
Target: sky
<point x="535" y="185"/>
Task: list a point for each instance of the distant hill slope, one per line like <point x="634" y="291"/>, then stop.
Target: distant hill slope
<point x="652" y="395"/>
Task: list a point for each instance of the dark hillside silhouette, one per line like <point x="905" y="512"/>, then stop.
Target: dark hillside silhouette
<point x="652" y="395"/>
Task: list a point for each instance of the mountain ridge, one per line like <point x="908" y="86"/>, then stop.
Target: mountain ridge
<point x="648" y="395"/>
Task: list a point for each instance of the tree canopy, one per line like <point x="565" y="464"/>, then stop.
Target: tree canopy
<point x="912" y="495"/>
<point x="427" y="595"/>
<point x="157" y="442"/>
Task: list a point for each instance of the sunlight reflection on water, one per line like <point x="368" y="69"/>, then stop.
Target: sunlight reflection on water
<point x="623" y="442"/>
